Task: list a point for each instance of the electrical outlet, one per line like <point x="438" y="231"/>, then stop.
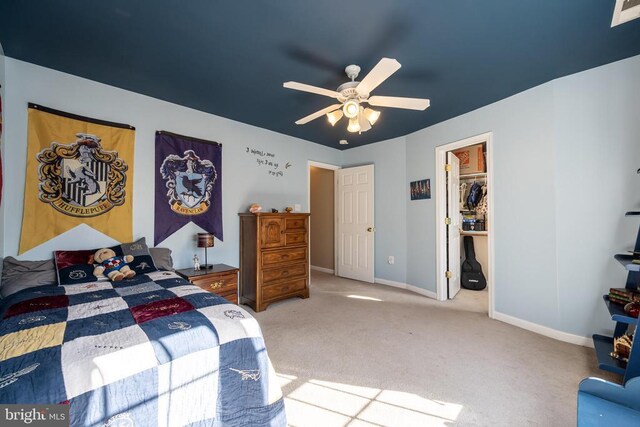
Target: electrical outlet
<point x="297" y="208"/>
<point x="392" y="259"/>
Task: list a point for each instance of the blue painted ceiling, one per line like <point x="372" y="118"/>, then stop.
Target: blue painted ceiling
<point x="231" y="57"/>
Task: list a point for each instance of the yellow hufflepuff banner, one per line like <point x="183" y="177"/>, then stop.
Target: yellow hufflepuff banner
<point x="79" y="171"/>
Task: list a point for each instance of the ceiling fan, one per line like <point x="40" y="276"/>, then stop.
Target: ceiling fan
<point x="352" y="95"/>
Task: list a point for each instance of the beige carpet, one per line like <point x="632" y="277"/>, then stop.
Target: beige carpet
<point x="359" y="354"/>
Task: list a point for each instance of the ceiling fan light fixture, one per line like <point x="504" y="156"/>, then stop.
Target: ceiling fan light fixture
<point x="334" y="116"/>
<point x="371" y="115"/>
<point x="351" y="108"/>
<point x="354" y="125"/>
<point x="364" y="123"/>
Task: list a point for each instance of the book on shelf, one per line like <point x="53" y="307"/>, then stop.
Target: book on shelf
<point x="623" y="295"/>
<point x="617" y="300"/>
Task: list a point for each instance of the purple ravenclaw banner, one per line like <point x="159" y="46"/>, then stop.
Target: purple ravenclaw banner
<point x="188" y="185"/>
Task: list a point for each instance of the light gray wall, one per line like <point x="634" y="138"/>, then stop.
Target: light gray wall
<point x="523" y="196"/>
<point x="390" y="198"/>
<point x="565" y="157"/>
<point x="565" y="160"/>
<point x="322" y="210"/>
<point x="597" y="129"/>
<point x="244" y="181"/>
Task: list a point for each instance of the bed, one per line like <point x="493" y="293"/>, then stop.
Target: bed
<point x="149" y="351"/>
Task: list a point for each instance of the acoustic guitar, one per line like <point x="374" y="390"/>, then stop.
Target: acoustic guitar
<point x="471" y="275"/>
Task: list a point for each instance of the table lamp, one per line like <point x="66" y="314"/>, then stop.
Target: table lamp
<point x="205" y="240"/>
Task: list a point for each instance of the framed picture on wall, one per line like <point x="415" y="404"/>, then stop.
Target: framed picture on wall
<point x="420" y="189"/>
<point x="625" y="11"/>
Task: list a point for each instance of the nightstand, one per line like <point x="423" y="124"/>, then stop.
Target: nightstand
<point x="220" y="279"/>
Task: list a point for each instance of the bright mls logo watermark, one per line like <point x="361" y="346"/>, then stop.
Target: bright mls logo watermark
<point x="34" y="415"/>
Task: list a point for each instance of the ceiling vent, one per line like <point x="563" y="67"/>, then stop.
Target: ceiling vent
<point x="625" y="11"/>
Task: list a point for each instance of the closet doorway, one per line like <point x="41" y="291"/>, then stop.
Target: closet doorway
<point x="322" y="202"/>
<point x="464" y="222"/>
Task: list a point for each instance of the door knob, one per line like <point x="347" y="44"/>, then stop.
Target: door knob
<point x="371" y="229"/>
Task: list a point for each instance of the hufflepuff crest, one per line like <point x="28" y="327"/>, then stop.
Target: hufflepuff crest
<point x="81" y="179"/>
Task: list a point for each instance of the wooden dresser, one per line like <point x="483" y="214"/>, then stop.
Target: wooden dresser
<point x="274" y="257"/>
<point x="220" y="279"/>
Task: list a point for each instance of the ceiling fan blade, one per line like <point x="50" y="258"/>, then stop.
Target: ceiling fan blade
<point x="398" y="102"/>
<point x="317" y="114"/>
<point x="312" y="89"/>
<point x="381" y="72"/>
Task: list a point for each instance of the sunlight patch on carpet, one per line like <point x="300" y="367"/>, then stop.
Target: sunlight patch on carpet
<point x="363" y="297"/>
<point x="325" y="403"/>
<point x="284" y="379"/>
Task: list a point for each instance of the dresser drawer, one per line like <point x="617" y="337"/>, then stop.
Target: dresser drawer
<point x="217" y="284"/>
<point x="274" y="291"/>
<point x="284" y="256"/>
<point x="289" y="272"/>
<point x="291" y="239"/>
<point x="295" y="224"/>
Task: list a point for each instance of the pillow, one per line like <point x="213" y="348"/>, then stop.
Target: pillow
<point x="75" y="267"/>
<point x="162" y="258"/>
<point x="18" y="275"/>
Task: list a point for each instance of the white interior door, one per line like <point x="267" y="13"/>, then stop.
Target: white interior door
<point x="453" y="227"/>
<point x="355" y="223"/>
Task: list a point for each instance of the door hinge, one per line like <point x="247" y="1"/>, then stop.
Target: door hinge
<point x="447" y="167"/>
<point x="448" y="274"/>
<point x="447" y="221"/>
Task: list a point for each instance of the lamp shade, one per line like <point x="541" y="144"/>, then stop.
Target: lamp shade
<point x="205" y="240"/>
<point x="371" y="115"/>
<point x="354" y="125"/>
<point x="334" y="116"/>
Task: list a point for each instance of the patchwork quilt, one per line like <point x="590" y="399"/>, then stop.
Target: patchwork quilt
<point x="149" y="351"/>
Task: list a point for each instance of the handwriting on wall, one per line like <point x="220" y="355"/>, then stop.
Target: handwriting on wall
<point x="268" y="162"/>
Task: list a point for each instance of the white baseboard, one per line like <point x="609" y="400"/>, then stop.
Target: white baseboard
<point x="425" y="292"/>
<point x="412" y="288"/>
<point x="544" y="330"/>
<point x="322" y="269"/>
<point x="390" y="283"/>
<point x="524" y="324"/>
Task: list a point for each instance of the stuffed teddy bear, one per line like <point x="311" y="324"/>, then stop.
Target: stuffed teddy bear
<point x="115" y="267"/>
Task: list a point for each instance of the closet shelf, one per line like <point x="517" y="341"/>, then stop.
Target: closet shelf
<point x="473" y="233"/>
<point x="604" y="346"/>
<point x="625" y="260"/>
<point x="474" y="176"/>
<point x="617" y="312"/>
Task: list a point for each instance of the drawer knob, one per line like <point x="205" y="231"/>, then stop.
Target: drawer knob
<point x="285" y="256"/>
<point x="285" y="273"/>
<point x="216" y="285"/>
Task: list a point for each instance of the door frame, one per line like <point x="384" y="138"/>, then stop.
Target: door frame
<point x="441" y="213"/>
<point x="334" y="168"/>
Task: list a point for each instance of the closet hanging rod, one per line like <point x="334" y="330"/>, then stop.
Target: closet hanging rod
<point x="471" y="175"/>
